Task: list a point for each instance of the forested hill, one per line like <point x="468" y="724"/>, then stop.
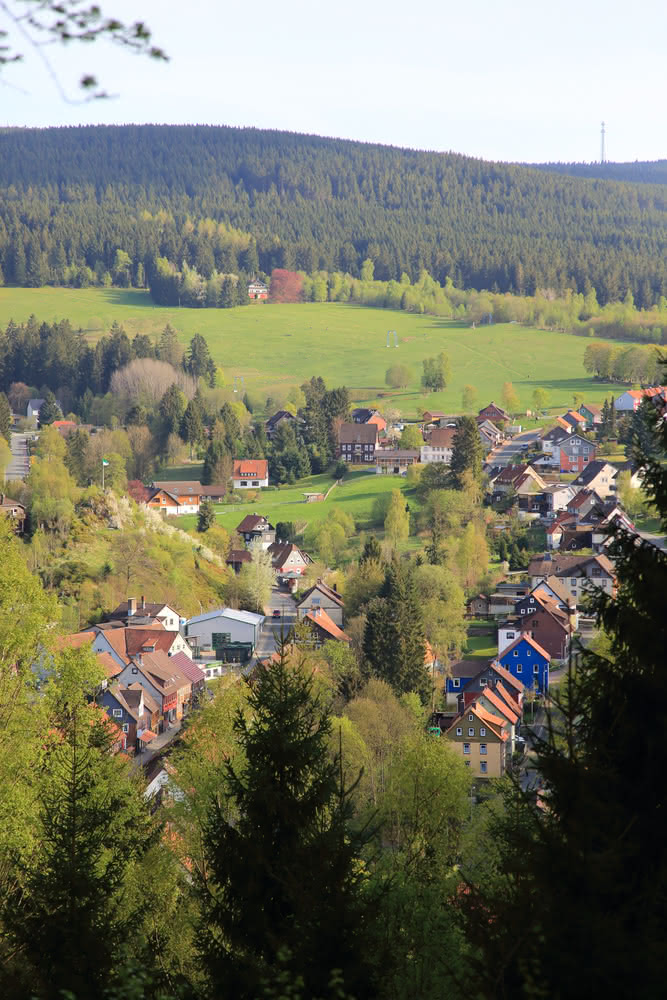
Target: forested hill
<point x="639" y="172"/>
<point x="74" y="196"/>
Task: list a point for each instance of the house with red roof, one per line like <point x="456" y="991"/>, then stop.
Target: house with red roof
<point x="322" y="628"/>
<point x="250" y="473"/>
<point x="630" y="401"/>
<point x="481" y="737"/>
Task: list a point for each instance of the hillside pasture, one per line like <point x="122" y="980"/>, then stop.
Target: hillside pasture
<point x="277" y="346"/>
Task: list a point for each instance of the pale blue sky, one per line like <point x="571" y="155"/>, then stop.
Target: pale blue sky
<point x="526" y="80"/>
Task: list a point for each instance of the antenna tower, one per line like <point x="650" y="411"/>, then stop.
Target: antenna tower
<point x="602" y="135"/>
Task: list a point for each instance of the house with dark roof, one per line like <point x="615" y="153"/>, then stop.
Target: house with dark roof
<point x="577" y="573"/>
<point x="516" y="479"/>
<point x="256" y="529"/>
<point x="236" y="559"/>
<point x="273" y="423"/>
<point x="324" y="598"/>
<point x="575" y="453"/>
<point x="494" y="413"/>
<point x="362" y="415"/>
<point x="289" y="562"/>
<point x="460" y="674"/>
<point x="33" y="408"/>
<point x="132" y="611"/>
<point x="491" y="674"/>
<point x="14" y="511"/>
<point x="438" y="446"/>
<point x="131" y="709"/>
<point x="357" y="443"/>
<point x="599" y="476"/>
<point x="575" y="419"/>
<point x="490" y="435"/>
<point x="163" y="680"/>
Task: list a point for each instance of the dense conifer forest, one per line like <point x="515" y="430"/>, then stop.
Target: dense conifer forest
<point x="101" y="205"/>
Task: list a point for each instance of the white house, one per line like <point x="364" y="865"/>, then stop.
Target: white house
<point x="632" y="399"/>
<point x="223" y="626"/>
<point x="439" y="446"/>
<point x="507" y="634"/>
<point x="250" y="473"/>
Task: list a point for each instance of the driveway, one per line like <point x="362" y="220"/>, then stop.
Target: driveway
<point x="19" y="467"/>
<point x="282" y="601"/>
<point x="511" y="452"/>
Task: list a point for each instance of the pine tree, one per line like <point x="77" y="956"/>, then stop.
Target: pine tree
<point x="70" y="913"/>
<point x="283" y="891"/>
<point x="466" y="461"/>
<point x="586" y="878"/>
<point x="5" y="418"/>
<point x="372" y="551"/>
<point x="192" y="424"/>
<point x="206" y="515"/>
<point x="394" y="644"/>
<point x="49" y="410"/>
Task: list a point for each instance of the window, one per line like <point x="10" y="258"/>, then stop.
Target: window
<point x="118" y="713"/>
<point x="528" y="651"/>
<point x="482" y="731"/>
<point x="459" y="731"/>
<point x="532" y="600"/>
<point x="573" y="582"/>
<point x="523" y="611"/>
<point x="126" y="728"/>
<point x="456" y="682"/>
<point x="466" y="748"/>
<point x="255" y="482"/>
<point x="516" y="652"/>
<point x="510" y="635"/>
<point x="471" y="718"/>
<point x="482" y="748"/>
<point x="519" y="668"/>
<point x="482" y="682"/>
<point x="471" y="731"/>
<point x="135" y="670"/>
<point x="483" y="767"/>
<point x="536" y="668"/>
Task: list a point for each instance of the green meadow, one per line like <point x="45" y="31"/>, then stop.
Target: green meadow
<point x="276" y="346"/>
<point x="355" y="495"/>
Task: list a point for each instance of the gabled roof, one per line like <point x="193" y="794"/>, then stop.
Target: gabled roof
<point x="111" y="667"/>
<point x="442" y="437"/>
<point x="557" y="434"/>
<point x="281" y="551"/>
<point x="163" y="671"/>
<point x="592" y="408"/>
<point x="324" y="589"/>
<point x="321" y="619"/>
<point x="358" y="433"/>
<point x="148" y="608"/>
<point x="254" y="522"/>
<point x="554" y="584"/>
<point x="188" y="667"/>
<point x="574" y="418"/>
<point x="510" y="680"/>
<point x="77" y="640"/>
<point x="189" y="487"/>
<point x="277" y="417"/>
<point x="592" y="470"/>
<point x="531" y="642"/>
<point x="505" y="415"/>
<point x="466" y="668"/>
<point x="502" y="692"/>
<point x="250" y="468"/>
<point x="501" y="706"/>
<point x="238" y="556"/>
<point x="149" y="701"/>
<point x="131" y="706"/>
<point x="564" y="565"/>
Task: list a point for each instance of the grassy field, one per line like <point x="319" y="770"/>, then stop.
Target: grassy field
<point x="355" y="496"/>
<point x="276" y="346"/>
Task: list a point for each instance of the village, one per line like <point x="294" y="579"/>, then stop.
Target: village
<point x="160" y="665"/>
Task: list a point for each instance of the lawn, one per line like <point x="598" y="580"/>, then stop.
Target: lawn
<point x="355" y="496"/>
<point x="483" y="647"/>
<point x="276" y="346"/>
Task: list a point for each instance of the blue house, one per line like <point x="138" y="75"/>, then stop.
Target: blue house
<point x="528" y="662"/>
<point x="462" y="672"/>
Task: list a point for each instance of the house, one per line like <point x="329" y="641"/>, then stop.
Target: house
<point x="518" y="479"/>
<point x="460" y="674"/>
<point x="438" y="446"/>
<point x="576" y="421"/>
<point x="273" y="423"/>
<point x="195" y="674"/>
<point x="630" y="401"/>
<point x="500" y="703"/>
<point x="236" y="559"/>
<point x="394" y="462"/>
<point x="164" y="682"/>
<point x="322" y="628"/>
<point x="130" y="611"/>
<point x="583" y="502"/>
<point x="528" y="662"/>
<point x="478" y="606"/>
<point x="323" y="597"/>
<point x="552" y="440"/>
<point x="123" y="643"/>
<point x="548" y="504"/>
<point x="574" y="453"/>
<point x="432" y="416"/>
<point x="613" y="515"/>
<point x="481" y="738"/>
<point x="257" y="290"/>
<point x="131" y="709"/>
<point x="255" y="529"/>
<point x="489" y="434"/>
<point x="362" y="415"/>
<point x="357" y="442"/>
<point x="494" y="413"/>
<point x="250" y="472"/>
<point x="598" y="476"/>
<point x="289" y="562"/>
<point x="65" y="427"/>
<point x="592" y="414"/>
<point x="15" y="511"/>
<point x="577" y="574"/>
<point x="33" y="408"/>
<point x="636" y="472"/>
<point x="223" y="627"/>
<point x="493" y="675"/>
<point x="175" y="498"/>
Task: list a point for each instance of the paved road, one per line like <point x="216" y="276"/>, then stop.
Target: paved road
<point x="511" y="452"/>
<point x="19" y="467"/>
<point x="283" y="602"/>
<point x="660" y="541"/>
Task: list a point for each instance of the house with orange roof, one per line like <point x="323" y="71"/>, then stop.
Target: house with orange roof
<point x="481" y="737"/>
<point x="250" y="473"/>
<point x="163" y="680"/>
<point x="322" y="628"/>
<point x="126" y="642"/>
<point x="630" y="401"/>
<point x="322" y="596"/>
<point x="491" y="700"/>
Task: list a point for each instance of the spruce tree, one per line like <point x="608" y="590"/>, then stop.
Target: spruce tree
<point x="372" y="551"/>
<point x="5" y="418"/>
<point x="206" y="515"/>
<point x="282" y="891"/>
<point x="192" y="424"/>
<point x="466" y="461"/>
<point x="394" y="643"/>
<point x="49" y="410"/>
<point x="585" y="878"/>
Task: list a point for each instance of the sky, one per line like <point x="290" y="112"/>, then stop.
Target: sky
<point x="526" y="80"/>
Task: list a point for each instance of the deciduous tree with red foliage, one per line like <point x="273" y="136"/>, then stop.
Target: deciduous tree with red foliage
<point x="285" y="286"/>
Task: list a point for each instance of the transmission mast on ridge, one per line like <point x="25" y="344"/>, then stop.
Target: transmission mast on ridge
<point x="602" y="135"/>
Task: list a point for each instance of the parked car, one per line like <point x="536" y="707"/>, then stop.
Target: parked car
<point x="275" y="613"/>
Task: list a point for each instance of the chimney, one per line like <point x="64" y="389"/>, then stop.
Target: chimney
<point x="143" y="603"/>
<point x="131" y="606"/>
<point x="139" y="659"/>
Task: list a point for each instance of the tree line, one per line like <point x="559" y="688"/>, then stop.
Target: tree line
<point x="101" y="204"/>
